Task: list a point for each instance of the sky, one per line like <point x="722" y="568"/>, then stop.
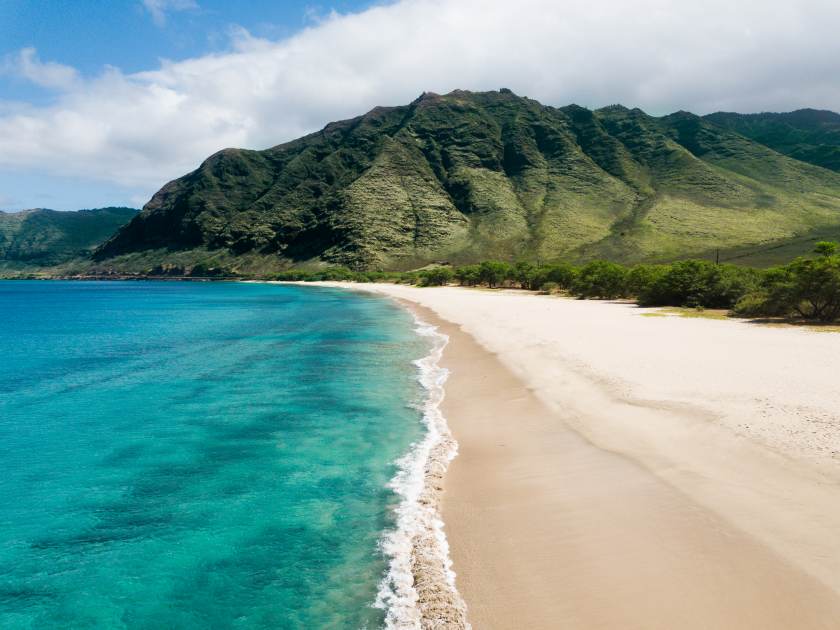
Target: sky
<point x="104" y="101"/>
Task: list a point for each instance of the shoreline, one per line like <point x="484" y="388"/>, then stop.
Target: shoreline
<point x="591" y="518"/>
<point x="419" y="590"/>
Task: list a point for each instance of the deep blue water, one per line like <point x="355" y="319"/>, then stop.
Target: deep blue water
<point x="198" y="455"/>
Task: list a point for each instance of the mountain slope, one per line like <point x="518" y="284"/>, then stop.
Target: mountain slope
<point x="467" y="176"/>
<point x="46" y="237"/>
<point x="809" y="135"/>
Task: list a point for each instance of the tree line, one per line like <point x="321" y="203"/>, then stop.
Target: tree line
<point x="808" y="287"/>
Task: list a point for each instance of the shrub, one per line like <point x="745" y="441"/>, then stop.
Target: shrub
<point x="826" y="249"/>
<point x="641" y="278"/>
<point x="436" y="277"/>
<point x="699" y="283"/>
<point x="525" y="274"/>
<point x="467" y="275"/>
<point x="807" y="287"/>
<point x="561" y="274"/>
<point x="760" y="304"/>
<point x="815" y="288"/>
<point x="735" y="282"/>
<point x="493" y="273"/>
<point x="600" y="279"/>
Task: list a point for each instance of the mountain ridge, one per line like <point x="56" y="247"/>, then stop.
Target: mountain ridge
<point x="470" y="175"/>
<point x="43" y="237"/>
<point x="809" y="135"/>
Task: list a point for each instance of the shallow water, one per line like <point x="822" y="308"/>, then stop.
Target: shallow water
<point x="199" y="455"/>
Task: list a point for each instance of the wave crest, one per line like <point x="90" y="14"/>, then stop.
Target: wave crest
<point x="418" y="590"/>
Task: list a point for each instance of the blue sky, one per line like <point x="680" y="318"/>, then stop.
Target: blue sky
<point x="104" y="101"/>
<point x="133" y="36"/>
<point x="90" y="34"/>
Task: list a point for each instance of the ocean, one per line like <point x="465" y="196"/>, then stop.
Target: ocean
<point x="207" y="455"/>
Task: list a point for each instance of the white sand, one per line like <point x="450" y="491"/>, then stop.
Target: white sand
<point x="738" y="424"/>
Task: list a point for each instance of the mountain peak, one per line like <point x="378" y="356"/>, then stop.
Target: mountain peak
<point x="475" y="175"/>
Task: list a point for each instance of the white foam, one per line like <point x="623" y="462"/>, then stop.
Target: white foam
<point x="417" y="545"/>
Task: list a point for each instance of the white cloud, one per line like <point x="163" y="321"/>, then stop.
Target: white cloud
<point x="159" y="8"/>
<point x="27" y="65"/>
<point x="139" y="130"/>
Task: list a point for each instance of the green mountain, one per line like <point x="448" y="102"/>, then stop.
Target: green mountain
<point x="38" y="238"/>
<point x="809" y="135"/>
<point x="468" y="176"/>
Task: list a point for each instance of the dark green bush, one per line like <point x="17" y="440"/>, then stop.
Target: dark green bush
<point x="524" y="274"/>
<point x="641" y="278"/>
<point x="561" y="274"/>
<point x="807" y="287"/>
<point x="699" y="283"/>
<point x="826" y="249"/>
<point x="815" y="290"/>
<point x="467" y="275"/>
<point x="600" y="279"/>
<point x="493" y="273"/>
<point x="760" y="304"/>
<point x="436" y="277"/>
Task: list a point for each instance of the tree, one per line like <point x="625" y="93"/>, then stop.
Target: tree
<point x="436" y="277"/>
<point x="467" y="275"/>
<point x="493" y="273"/>
<point x="825" y="249"/>
<point x="600" y="279"/>
<point x="808" y="287"/>
<point x="561" y="274"/>
<point x="816" y="285"/>
<point x="525" y="274"/>
<point x="699" y="283"/>
<point x="641" y="278"/>
<point x="773" y="297"/>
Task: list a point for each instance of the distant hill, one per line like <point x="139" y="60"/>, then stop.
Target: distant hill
<point x="43" y="237"/>
<point x="468" y="176"/>
<point x="809" y="135"/>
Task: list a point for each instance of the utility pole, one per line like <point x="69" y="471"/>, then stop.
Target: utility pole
<point x="717" y="256"/>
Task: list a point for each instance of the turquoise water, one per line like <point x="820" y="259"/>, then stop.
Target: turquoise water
<point x="198" y="455"/>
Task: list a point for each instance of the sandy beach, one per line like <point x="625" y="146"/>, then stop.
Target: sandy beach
<point x="618" y="470"/>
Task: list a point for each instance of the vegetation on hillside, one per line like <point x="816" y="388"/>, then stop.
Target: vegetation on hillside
<point x="809" y="135"/>
<point x="41" y="238"/>
<point x="466" y="177"/>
